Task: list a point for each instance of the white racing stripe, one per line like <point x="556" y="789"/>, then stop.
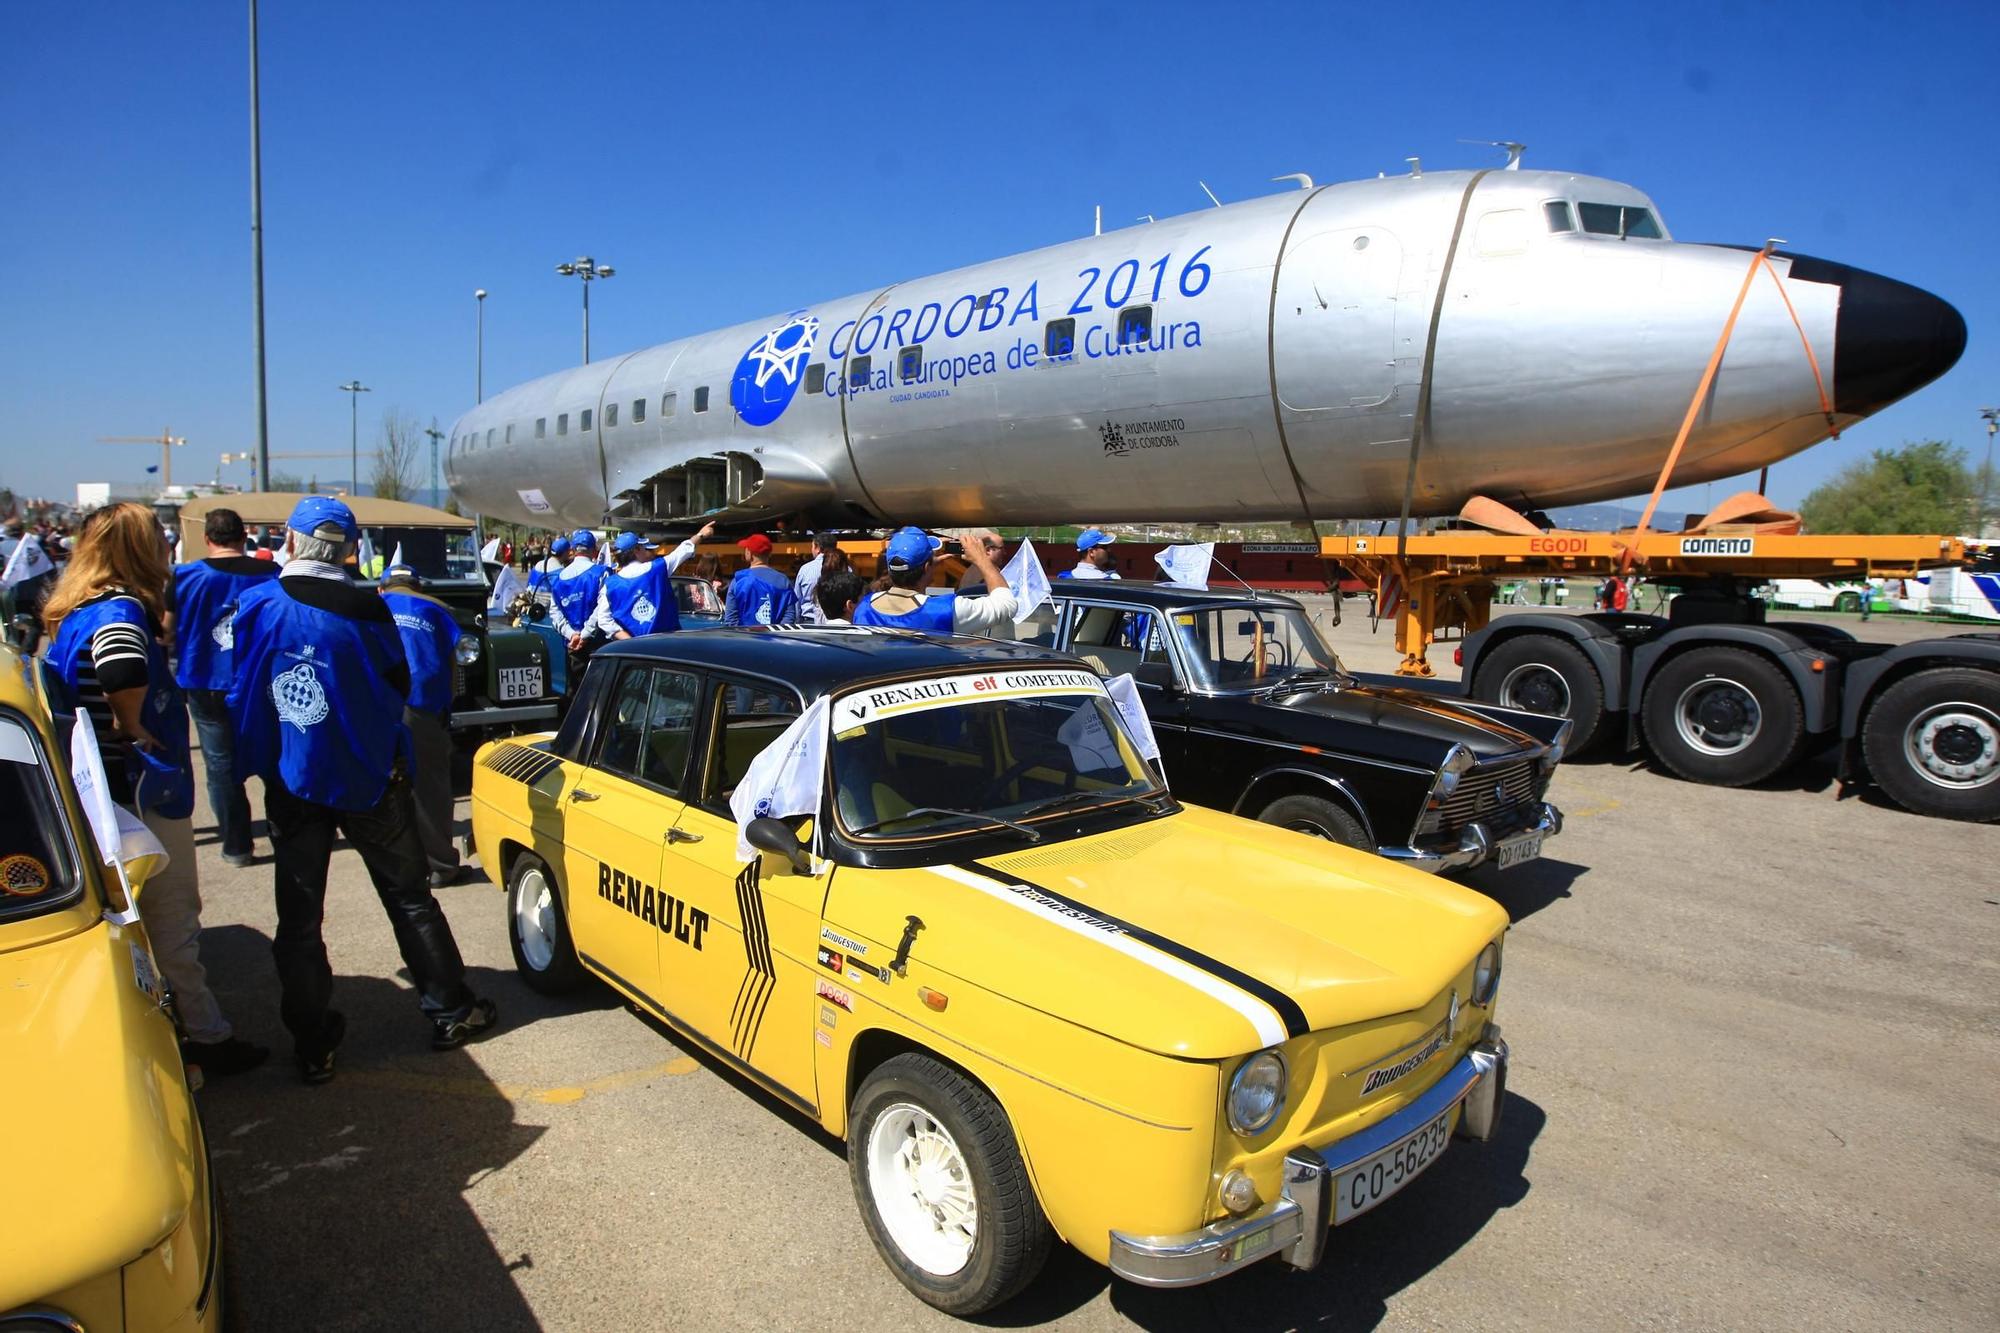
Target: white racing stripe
<point x="1263" y="1020"/>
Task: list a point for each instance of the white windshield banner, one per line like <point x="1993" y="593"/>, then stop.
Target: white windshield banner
<point x="864" y="707"/>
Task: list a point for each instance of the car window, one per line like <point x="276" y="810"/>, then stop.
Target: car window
<point x="1040" y="627"/>
<point x="1118" y="641"/>
<point x="1248" y="647"/>
<point x="36" y="873"/>
<point x="744" y="719"/>
<point x="649" y="729"/>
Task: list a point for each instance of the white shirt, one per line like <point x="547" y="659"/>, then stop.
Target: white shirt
<point x="601" y="618"/>
<point x="803" y="587"/>
<point x="313" y="569"/>
<point x="1085" y="570"/>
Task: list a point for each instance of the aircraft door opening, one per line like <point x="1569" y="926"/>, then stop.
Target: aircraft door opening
<point x="1334" y="323"/>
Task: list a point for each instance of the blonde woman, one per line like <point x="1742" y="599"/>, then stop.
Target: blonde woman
<point x="105" y="618"/>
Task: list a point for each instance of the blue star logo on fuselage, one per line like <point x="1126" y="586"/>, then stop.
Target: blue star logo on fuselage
<point x="769" y="375"/>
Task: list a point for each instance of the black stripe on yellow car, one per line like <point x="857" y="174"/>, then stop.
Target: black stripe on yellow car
<point x="521" y="763"/>
<point x="760" y="977"/>
<point x="1286" y="1008"/>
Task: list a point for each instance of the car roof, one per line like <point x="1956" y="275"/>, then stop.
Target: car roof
<point x="819" y="660"/>
<point x="1161" y="594"/>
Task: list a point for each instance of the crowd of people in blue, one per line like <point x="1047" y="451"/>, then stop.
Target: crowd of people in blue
<point x="336" y="696"/>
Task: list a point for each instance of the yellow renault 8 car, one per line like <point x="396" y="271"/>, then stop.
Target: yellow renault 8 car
<point x="104" y="1172"/>
<point x="1038" y="997"/>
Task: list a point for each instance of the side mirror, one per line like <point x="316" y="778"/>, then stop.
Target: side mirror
<point x="775" y="836"/>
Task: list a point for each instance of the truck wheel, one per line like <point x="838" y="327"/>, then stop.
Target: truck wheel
<point x="1319" y="817"/>
<point x="1540" y="673"/>
<point x="1849" y="601"/>
<point x="942" y="1187"/>
<point x="544" y="954"/>
<point x="1933" y="743"/>
<point x="1724" y="716"/>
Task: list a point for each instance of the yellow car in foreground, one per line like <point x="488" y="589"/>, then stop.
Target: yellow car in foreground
<point x="105" y="1186"/>
<point x="1038" y="997"/>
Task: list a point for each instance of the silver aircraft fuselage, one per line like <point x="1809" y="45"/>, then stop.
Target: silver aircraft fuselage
<point x="1264" y="360"/>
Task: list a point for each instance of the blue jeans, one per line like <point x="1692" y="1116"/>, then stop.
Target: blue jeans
<point x="218" y="754"/>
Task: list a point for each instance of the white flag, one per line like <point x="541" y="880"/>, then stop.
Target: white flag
<point x="28" y="561"/>
<point x="788" y="778"/>
<point x="1187" y="565"/>
<point x="366" y="555"/>
<point x="1124" y="693"/>
<point x="1027" y="580"/>
<point x="121" y="837"/>
<point x="507" y="585"/>
<point x="490" y="553"/>
<point x="397" y="558"/>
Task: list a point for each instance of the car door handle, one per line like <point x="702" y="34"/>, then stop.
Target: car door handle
<point x="581" y="795"/>
<point x="682" y="835"/>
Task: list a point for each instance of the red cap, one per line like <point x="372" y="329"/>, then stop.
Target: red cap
<point x="756" y="544"/>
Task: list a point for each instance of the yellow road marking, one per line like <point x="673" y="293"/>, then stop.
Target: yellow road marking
<point x="458" y="1086"/>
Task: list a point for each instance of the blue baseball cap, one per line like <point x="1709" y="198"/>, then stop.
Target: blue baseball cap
<point x="911" y="547"/>
<point x="625" y="541"/>
<point x="583" y="539"/>
<point x="560" y="546"/>
<point x="1093" y="538"/>
<point x="317" y="512"/>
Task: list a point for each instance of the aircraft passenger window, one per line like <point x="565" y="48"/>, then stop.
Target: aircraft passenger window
<point x="638" y="410"/>
<point x="583" y="420"/>
<point x="1135" y="325"/>
<point x="508" y="438"/>
<point x="816" y="378"/>
<point x="910" y="363"/>
<point x="562" y="423"/>
<point x="1061" y="340"/>
<point x="668" y="401"/>
<point x="1557" y="212"/>
<point x="1621" y="220"/>
<point x="490" y="433"/>
<point x="610" y="416"/>
<point x="701" y="399"/>
<point x="858" y="368"/>
<point x="541" y="427"/>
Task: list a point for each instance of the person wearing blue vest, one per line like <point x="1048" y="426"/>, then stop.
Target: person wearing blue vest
<point x="638" y="597"/>
<point x="205" y="596"/>
<point x="1093" y="556"/>
<point x="546" y="569"/>
<point x="321" y="683"/>
<point x="104" y="617"/>
<point x="904" y="604"/>
<point x="430" y="636"/>
<point x="759" y="594"/>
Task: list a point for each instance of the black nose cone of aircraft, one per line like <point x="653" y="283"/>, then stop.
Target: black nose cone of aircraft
<point x="1891" y="338"/>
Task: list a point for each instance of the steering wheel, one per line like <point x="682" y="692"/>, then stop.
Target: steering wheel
<point x="991" y="793"/>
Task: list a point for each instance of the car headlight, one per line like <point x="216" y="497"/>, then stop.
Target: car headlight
<point x="467" y="651"/>
<point x="1257" y="1093"/>
<point x="1486" y="974"/>
<point x="1456" y="765"/>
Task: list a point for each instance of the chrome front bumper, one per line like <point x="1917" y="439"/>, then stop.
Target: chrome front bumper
<point x="1294" y="1228"/>
<point x="1476" y="845"/>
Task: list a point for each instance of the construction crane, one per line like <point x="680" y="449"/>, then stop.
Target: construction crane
<point x="166" y="440"/>
<point x="249" y="456"/>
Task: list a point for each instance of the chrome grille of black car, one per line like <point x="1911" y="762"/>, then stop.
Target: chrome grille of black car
<point x="1496" y="795"/>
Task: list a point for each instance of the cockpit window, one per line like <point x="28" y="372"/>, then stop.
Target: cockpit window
<point x="1621" y="220"/>
<point x="36" y="872"/>
<point x="1558" y="215"/>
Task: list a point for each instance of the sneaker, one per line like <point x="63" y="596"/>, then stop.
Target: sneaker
<point x="240" y="859"/>
<point x="220" y="1059"/>
<point x="448" y="1034"/>
<point x="316" y="1066"/>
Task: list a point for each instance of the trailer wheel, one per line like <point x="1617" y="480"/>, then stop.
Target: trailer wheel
<point x="1932" y="742"/>
<point x="1540" y="673"/>
<point x="1724" y="716"/>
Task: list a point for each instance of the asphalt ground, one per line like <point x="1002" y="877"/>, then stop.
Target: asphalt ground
<point x="1756" y="1069"/>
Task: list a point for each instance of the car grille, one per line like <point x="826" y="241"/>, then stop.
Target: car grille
<point x="1501" y="796"/>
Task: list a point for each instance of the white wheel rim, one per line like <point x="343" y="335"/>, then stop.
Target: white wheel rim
<point x="535" y="918"/>
<point x="1956" y="746"/>
<point x="1718" y="716"/>
<point x="922" y="1189"/>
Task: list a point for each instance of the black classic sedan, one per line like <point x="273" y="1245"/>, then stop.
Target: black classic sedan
<point x="1255" y="715"/>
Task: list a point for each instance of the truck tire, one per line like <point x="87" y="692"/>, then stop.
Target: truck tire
<point x="1319" y="817"/>
<point x="1540" y="673"/>
<point x="942" y="1187"/>
<point x="1932" y="742"/>
<point x="538" y="928"/>
<point x="1724" y="716"/>
<point x="1848" y="601"/>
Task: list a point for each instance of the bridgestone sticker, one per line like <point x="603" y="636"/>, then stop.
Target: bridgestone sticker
<point x="1718" y="545"/>
<point x="864" y="707"/>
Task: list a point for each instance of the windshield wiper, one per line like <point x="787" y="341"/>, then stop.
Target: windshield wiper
<point x="1030" y="834"/>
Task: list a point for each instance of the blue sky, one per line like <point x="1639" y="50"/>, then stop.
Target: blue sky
<point x="735" y="160"/>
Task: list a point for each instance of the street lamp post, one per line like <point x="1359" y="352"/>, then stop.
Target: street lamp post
<point x="586" y="269"/>
<point x="479" y="355"/>
<point x="1992" y="416"/>
<point x="435" y="435"/>
<point x="354" y="389"/>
